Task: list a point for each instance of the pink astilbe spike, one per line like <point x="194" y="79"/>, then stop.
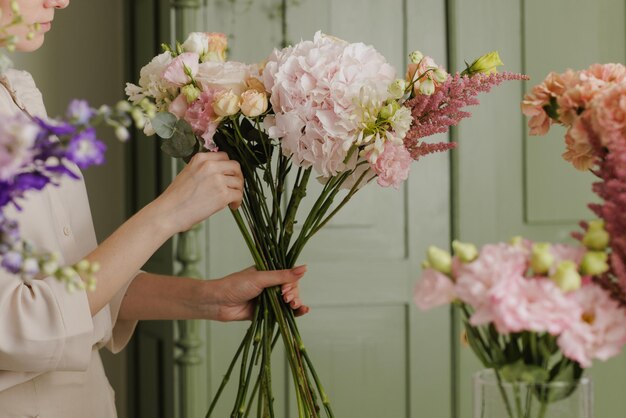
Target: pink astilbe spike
<point x="423" y="148"/>
<point x="444" y="108"/>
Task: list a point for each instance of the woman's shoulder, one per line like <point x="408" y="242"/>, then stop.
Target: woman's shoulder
<point x="20" y="91"/>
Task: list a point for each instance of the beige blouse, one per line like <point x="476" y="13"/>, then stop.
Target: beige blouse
<point x="49" y="361"/>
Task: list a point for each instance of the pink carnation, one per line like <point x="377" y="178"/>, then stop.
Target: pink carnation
<point x="579" y="147"/>
<point x="541" y="95"/>
<point x="475" y="280"/>
<point x="434" y="289"/>
<point x="608" y="114"/>
<point x="599" y="331"/>
<point x="392" y="165"/>
<point x="531" y="304"/>
<point x="203" y="119"/>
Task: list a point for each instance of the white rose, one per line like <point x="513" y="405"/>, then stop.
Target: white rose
<point x="253" y="103"/>
<point x="228" y="75"/>
<point x="226" y="103"/>
<point x="197" y="42"/>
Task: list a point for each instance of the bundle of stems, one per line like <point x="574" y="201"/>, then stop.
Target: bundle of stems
<point x="526" y="361"/>
<point x="267" y="226"/>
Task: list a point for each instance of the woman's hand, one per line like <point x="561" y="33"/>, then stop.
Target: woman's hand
<point x="232" y="297"/>
<point x="206" y="185"/>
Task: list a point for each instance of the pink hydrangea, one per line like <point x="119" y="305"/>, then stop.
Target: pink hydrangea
<point x="599" y="331"/>
<point x="531" y="304"/>
<point x="579" y="148"/>
<point x="434" y="289"/>
<point x="314" y="88"/>
<point x="203" y="119"/>
<point x="393" y="165"/>
<point x="475" y="280"/>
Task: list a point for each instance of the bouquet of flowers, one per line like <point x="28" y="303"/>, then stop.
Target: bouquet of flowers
<point x="591" y="104"/>
<point x="538" y="313"/>
<point x="531" y="311"/>
<point x="326" y="106"/>
<point x="35" y="153"/>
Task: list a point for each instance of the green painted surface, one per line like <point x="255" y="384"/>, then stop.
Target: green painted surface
<point x="507" y="183"/>
<point x="376" y="354"/>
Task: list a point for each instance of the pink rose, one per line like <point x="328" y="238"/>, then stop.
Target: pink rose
<point x="434" y="289"/>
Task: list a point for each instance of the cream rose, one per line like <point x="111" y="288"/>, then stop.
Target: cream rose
<point x="253" y="103"/>
<point x="226" y="103"/>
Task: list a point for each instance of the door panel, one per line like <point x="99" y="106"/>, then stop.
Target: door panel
<point x="374" y="353"/>
<point x="507" y="183"/>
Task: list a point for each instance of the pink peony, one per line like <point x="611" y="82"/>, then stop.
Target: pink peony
<point x="599" y="331"/>
<point x="203" y="119"/>
<point x="434" y="289"/>
<point x="475" y="280"/>
<point x="531" y="304"/>
<point x="392" y="165"/>
<point x="314" y="88"/>
<point x="182" y="68"/>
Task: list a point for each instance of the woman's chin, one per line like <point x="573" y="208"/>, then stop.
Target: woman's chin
<point x="30" y="45"/>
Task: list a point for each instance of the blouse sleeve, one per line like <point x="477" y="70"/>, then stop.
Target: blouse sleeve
<point x="122" y="329"/>
<point x="43" y="326"/>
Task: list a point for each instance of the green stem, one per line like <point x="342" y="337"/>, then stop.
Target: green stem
<point x="543" y="409"/>
<point x="243" y="382"/>
<point x="258" y="260"/>
<point x="226" y="377"/>
<point x="309" y="363"/>
<point x="505" y="397"/>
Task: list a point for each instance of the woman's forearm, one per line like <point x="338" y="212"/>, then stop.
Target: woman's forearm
<point x="122" y="254"/>
<point x="154" y="296"/>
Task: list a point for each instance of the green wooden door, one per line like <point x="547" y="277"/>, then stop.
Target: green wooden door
<point x="377" y="357"/>
<point x="507" y="183"/>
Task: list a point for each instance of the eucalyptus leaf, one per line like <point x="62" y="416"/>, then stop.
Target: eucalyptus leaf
<point x="164" y="124"/>
<point x="180" y="145"/>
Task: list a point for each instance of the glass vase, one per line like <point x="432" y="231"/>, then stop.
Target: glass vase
<point x="496" y="398"/>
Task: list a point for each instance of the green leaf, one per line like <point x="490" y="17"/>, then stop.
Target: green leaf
<point x="182" y="143"/>
<point x="567" y="374"/>
<point x="164" y="124"/>
<point x="521" y="372"/>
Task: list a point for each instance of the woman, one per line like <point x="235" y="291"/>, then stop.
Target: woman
<point x="49" y="337"/>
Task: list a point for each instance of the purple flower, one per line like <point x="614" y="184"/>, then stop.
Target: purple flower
<point x="85" y="149"/>
<point x="79" y="112"/>
<point x="56" y="127"/>
<point x="12" y="262"/>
